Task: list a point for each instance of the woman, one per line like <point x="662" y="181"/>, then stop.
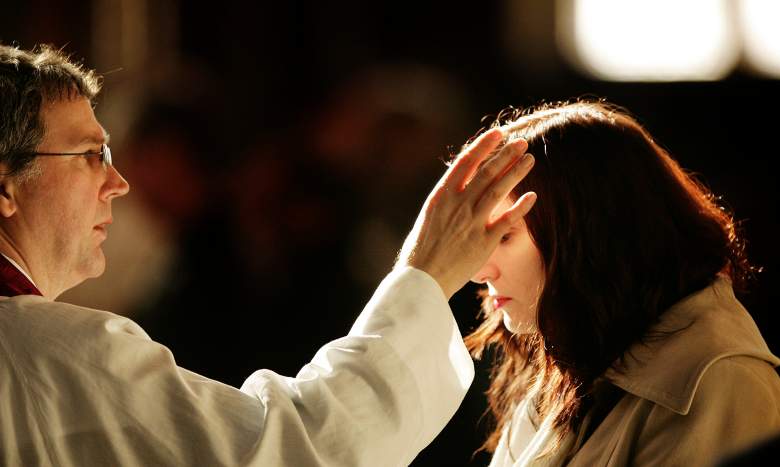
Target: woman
<point x="610" y="306"/>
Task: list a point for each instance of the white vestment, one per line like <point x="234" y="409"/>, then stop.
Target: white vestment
<point x="82" y="387"/>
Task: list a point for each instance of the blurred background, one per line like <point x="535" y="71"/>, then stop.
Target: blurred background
<point x="278" y="152"/>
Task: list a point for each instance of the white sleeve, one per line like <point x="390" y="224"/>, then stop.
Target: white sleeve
<point x="379" y="395"/>
<point x="83" y="387"/>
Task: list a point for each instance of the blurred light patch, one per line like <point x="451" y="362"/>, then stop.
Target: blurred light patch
<point x="760" y="25"/>
<point x="649" y="40"/>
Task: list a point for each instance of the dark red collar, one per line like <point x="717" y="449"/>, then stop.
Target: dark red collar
<point x="13" y="282"/>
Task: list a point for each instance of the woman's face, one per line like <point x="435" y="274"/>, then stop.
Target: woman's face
<point x="514" y="274"/>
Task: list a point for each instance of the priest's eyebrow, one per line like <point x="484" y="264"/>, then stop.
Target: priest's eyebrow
<point x="95" y="140"/>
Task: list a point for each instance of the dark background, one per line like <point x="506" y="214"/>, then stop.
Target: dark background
<point x="279" y="152"/>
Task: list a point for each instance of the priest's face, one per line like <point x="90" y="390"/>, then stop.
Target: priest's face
<point x="64" y="211"/>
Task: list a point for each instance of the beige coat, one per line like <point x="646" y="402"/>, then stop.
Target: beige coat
<point x="691" y="398"/>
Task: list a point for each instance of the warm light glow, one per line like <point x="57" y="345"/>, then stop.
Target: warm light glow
<point x="760" y="23"/>
<point x="651" y="40"/>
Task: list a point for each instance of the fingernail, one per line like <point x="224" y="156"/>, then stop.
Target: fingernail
<point x="528" y="159"/>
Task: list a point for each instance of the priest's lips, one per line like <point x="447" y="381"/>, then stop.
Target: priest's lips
<point x="102" y="228"/>
<point x="499" y="301"/>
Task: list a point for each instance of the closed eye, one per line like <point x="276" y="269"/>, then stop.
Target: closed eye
<point x="89" y="155"/>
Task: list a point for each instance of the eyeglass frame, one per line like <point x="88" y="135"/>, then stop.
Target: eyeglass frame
<point x="105" y="154"/>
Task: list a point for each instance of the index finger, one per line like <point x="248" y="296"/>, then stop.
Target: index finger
<point x="466" y="163"/>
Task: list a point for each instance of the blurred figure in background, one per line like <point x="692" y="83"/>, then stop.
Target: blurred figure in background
<point x="380" y="133"/>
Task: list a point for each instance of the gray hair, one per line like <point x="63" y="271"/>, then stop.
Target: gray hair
<point x="29" y="79"/>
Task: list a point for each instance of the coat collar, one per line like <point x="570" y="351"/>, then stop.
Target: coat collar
<point x="700" y="329"/>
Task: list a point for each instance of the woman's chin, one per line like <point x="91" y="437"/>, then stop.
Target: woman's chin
<point x="517" y="326"/>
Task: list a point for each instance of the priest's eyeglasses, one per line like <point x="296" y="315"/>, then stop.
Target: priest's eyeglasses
<point x="104" y="154"/>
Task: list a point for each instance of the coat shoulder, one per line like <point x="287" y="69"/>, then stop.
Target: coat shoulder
<point x="743" y="385"/>
<point x="736" y="404"/>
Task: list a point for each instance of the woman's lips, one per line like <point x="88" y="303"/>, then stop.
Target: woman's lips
<point x="499" y="302"/>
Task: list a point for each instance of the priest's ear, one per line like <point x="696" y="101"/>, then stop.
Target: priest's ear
<point x="9" y="185"/>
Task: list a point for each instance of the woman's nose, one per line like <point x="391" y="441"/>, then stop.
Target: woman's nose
<point x="488" y="272"/>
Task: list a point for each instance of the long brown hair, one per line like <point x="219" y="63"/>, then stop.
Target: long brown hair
<point x="623" y="232"/>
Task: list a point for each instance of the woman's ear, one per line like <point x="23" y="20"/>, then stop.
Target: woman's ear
<point x="8" y="188"/>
